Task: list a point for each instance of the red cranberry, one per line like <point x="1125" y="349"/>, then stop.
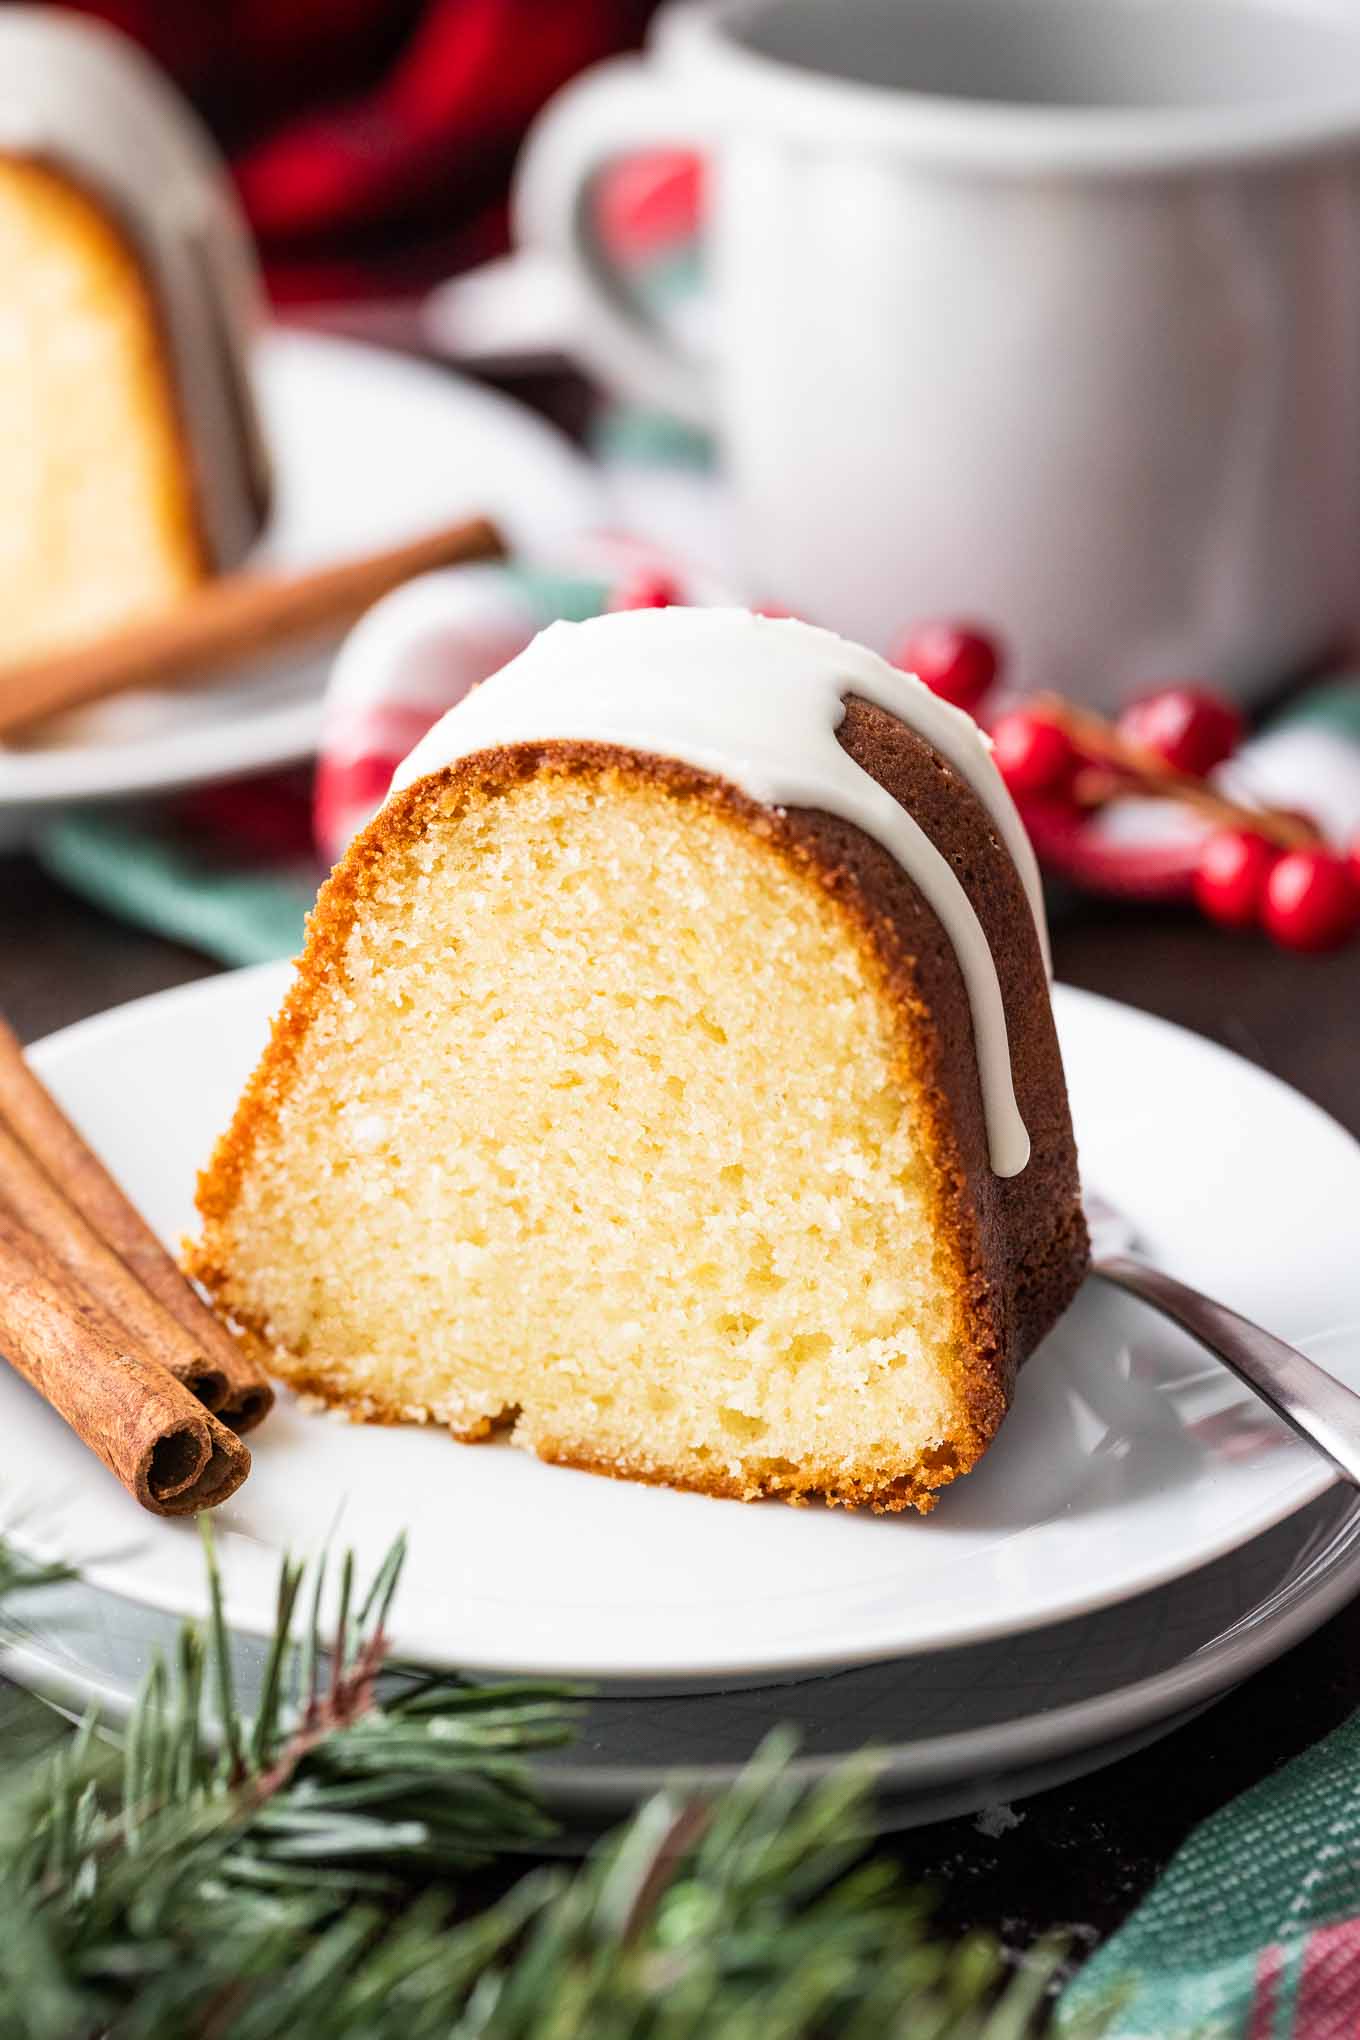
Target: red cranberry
<point x="1033" y="754"/>
<point x="1188" y="728"/>
<point x="1230" y="879"/>
<point x="1311" y="900"/>
<point x="956" y="662"/>
<point x="647" y="591"/>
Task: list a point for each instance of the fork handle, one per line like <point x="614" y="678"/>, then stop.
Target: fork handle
<point x="1312" y="1402"/>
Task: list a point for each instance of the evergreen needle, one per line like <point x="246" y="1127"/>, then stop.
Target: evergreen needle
<point x="302" y="1875"/>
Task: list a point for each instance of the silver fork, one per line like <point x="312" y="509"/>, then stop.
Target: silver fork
<point x="1312" y="1402"/>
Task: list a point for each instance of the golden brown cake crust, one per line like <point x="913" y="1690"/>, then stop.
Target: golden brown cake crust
<point x="1019" y="1242"/>
<point x="1029" y="1241"/>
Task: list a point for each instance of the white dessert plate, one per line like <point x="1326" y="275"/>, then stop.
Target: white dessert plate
<point x="1128" y="1460"/>
<point x="369" y="448"/>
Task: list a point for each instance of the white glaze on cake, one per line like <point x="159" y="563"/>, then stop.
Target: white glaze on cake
<point x="82" y="99"/>
<point x="757" y="701"/>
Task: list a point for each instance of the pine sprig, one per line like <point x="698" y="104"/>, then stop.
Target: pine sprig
<point x="19" y="1575"/>
<point x="204" y="1876"/>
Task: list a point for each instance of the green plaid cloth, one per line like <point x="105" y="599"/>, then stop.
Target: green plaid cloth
<point x="1254" y="1931"/>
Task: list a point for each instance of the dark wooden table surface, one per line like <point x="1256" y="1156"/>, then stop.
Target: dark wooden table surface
<point x="1086" y="1852"/>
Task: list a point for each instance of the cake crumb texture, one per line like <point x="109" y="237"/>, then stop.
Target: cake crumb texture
<point x="597" y="1114"/>
<point x="99" y="523"/>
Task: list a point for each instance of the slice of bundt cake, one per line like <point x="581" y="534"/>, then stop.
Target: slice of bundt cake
<point x="133" y="463"/>
<point x="670" y="1073"/>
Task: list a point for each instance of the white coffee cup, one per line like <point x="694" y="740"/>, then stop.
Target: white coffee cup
<point x="1044" y="312"/>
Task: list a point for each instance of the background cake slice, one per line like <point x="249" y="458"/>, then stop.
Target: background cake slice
<point x="133" y="457"/>
<point x="670" y="1074"/>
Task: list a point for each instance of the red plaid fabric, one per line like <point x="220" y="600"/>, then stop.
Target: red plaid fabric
<point x="372" y="140"/>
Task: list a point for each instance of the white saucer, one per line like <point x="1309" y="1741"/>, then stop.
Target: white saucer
<point x="1129" y="1459"/>
<point x="369" y="448"/>
<point x="953" y="1731"/>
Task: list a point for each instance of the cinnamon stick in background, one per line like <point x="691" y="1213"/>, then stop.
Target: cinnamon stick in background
<point x="230" y="621"/>
<point x="33" y="1114"/>
<point x="167" y="1450"/>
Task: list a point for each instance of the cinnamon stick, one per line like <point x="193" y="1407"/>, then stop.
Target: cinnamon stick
<point x="231" y="621"/>
<point x="33" y="1114"/>
<point x="170" y="1453"/>
<point x="1135" y="771"/>
<point x="30" y="1195"/>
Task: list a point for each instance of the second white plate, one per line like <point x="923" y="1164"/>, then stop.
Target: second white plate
<point x="1129" y="1459"/>
<point x="369" y="448"/>
<point x="952" y="1731"/>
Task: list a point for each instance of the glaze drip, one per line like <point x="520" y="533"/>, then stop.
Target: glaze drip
<point x="757" y="701"/>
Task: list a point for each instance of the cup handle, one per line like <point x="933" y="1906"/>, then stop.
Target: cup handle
<point x="618" y="108"/>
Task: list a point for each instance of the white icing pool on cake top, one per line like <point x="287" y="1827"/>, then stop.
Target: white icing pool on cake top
<point x="757" y="701"/>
